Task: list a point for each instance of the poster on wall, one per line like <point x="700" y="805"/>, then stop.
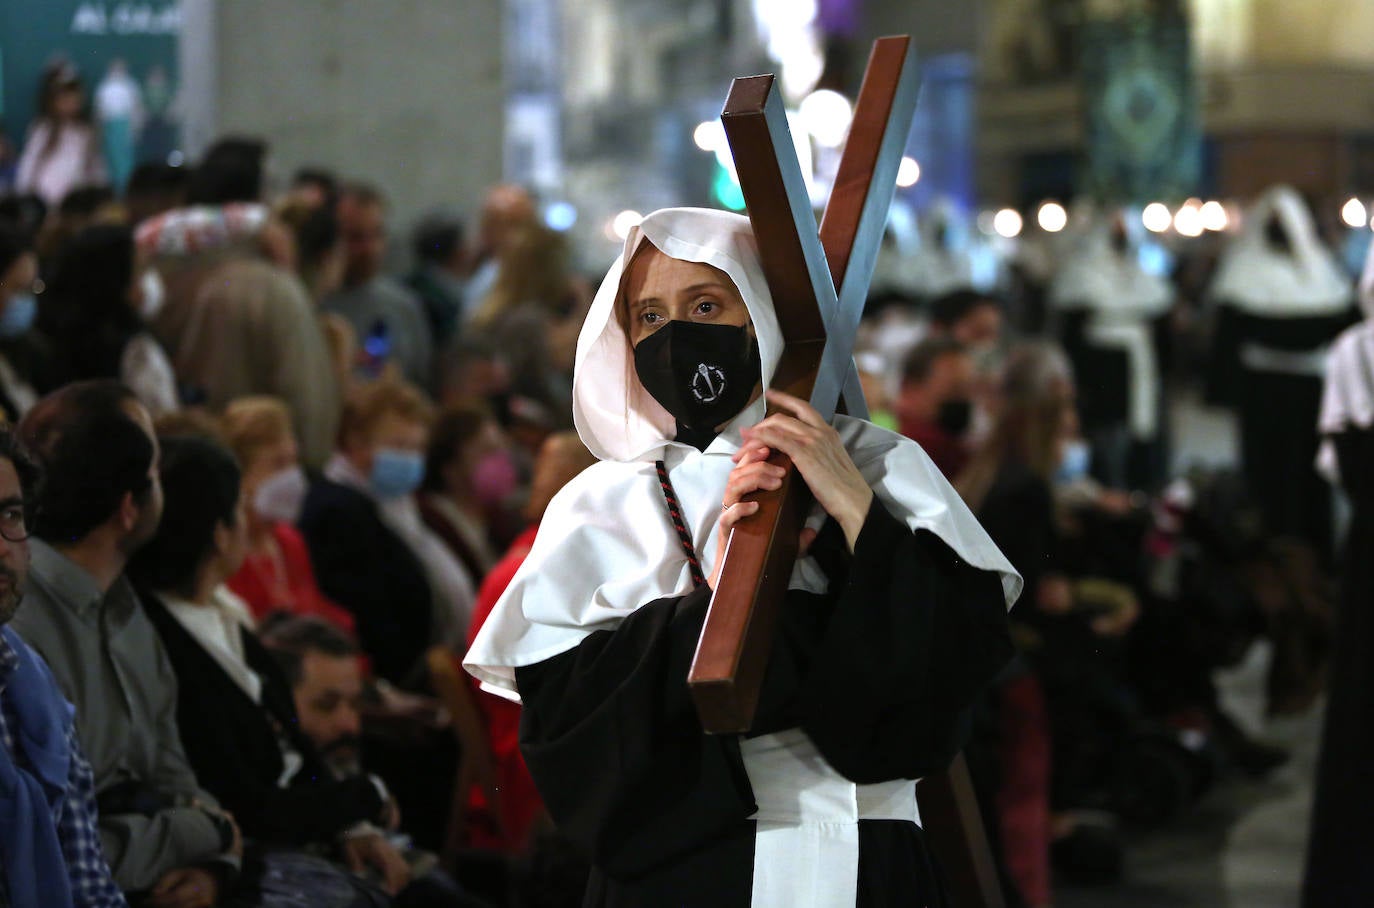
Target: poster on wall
<point x="120" y="54"/>
<point x="1143" y="137"/>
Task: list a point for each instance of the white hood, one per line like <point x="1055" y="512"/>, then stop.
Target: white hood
<point x="1095" y="276"/>
<point x="616" y="418"/>
<point x="1256" y="278"/>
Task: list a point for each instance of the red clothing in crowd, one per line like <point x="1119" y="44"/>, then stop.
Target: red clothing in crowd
<point x="950" y="452"/>
<point x="520" y="802"/>
<point x="284" y="581"/>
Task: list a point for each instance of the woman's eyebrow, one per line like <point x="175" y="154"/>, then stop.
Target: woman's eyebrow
<point x="708" y="285"/>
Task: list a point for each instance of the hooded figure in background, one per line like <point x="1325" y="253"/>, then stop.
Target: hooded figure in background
<point x="1110" y="315"/>
<point x="940" y="260"/>
<point x="895" y="616"/>
<point x="1338" y="866"/>
<point x="1281" y="298"/>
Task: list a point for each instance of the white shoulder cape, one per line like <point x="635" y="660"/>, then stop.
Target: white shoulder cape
<point x="606" y="545"/>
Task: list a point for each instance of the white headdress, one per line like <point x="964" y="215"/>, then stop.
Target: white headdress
<point x="1261" y="280"/>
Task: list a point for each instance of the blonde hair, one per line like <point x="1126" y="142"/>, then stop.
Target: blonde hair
<point x="1035" y="394"/>
<point x="252" y="423"/>
<point x="192" y="422"/>
<point x="367" y="404"/>
<point x="533" y="268"/>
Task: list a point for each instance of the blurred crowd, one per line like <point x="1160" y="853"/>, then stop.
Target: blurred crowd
<point x="283" y="482"/>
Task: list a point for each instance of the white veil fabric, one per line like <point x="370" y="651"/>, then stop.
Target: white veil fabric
<point x="1348" y="394"/>
<point x="606" y="545"/>
<point x="1260" y="280"/>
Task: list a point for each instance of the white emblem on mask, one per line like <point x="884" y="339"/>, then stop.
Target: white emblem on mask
<point x="708" y="384"/>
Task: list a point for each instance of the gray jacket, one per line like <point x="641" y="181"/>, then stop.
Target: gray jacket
<point x="109" y="662"/>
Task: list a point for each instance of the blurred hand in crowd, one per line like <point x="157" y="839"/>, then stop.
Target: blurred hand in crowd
<point x="185" y="887"/>
<point x="376" y="853"/>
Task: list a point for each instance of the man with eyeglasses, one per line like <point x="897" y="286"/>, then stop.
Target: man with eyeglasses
<point x="166" y="839"/>
<point x="50" y="852"/>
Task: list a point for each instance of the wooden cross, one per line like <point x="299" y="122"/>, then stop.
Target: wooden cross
<point x="819" y="283"/>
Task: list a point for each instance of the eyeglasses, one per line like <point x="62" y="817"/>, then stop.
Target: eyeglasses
<point x="14" y="524"/>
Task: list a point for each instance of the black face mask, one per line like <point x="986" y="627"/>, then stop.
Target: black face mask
<point x="702" y="374"/>
<point x="955" y="415"/>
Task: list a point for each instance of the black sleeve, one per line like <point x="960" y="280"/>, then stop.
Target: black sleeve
<point x="1019" y="516"/>
<point x="912" y="637"/>
<point x="613" y="743"/>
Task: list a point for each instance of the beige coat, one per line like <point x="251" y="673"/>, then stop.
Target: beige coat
<point x="252" y="329"/>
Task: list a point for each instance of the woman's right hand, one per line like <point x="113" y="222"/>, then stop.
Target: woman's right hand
<point x="752" y="473"/>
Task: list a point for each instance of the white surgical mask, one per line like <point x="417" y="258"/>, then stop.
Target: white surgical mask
<point x="281" y="496"/>
<point x="154" y="294"/>
<point x="1075" y="462"/>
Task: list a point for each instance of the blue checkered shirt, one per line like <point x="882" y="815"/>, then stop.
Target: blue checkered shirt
<point x="92" y="885"/>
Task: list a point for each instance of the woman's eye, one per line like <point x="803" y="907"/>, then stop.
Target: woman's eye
<point x="650" y="318"/>
<point x="706" y="307"/>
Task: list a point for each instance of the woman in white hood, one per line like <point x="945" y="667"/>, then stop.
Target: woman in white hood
<point x="1109" y="313"/>
<point x="1281" y="299"/>
<point x="1338" y="865"/>
<point x="895" y="617"/>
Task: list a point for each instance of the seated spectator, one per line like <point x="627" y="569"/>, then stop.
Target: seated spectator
<point x="440" y="275"/>
<point x="236" y="320"/>
<point x="254" y="330"/>
<point x="320" y="264"/>
<point x="276" y="574"/>
<point x="318" y="244"/>
<point x="316" y="186"/>
<point x="25" y="213"/>
<point x="50" y="851"/>
<point x="24" y="358"/>
<point x="507" y="209"/>
<point x="322" y="666"/>
<point x="102" y="499"/>
<point x="355" y="722"/>
<point x="935" y="403"/>
<point x="237" y="719"/>
<point x="469" y="476"/>
<point x="1069" y="627"/>
<point x="321" y="663"/>
<point x="389" y="320"/>
<point x="154" y="188"/>
<point x="81" y="208"/>
<point x="533" y="314"/>
<point x="91" y="315"/>
<point x="372" y="553"/>
<point x="972" y="318"/>
<point x="562" y="457"/>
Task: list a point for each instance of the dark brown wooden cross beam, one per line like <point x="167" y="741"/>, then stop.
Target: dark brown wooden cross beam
<point x="819" y="282"/>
